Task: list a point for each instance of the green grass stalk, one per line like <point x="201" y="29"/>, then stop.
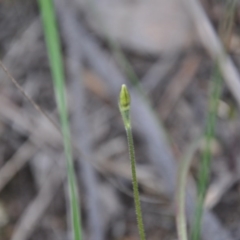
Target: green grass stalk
<point x="225" y="32"/>
<point x="124" y="106"/>
<point x="227" y="24"/>
<point x="181" y="190"/>
<point x="203" y="177"/>
<point x="56" y="65"/>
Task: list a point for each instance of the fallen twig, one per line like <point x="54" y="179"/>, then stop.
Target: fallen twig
<point x="38" y="206"/>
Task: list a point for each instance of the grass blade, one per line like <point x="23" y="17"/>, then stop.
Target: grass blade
<point x="56" y="64"/>
<point x="225" y="32"/>
<point x="181" y="190"/>
<point x="203" y="177"/>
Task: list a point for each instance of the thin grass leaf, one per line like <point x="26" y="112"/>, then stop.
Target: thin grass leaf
<point x="181" y="190"/>
<point x="56" y="64"/>
<point x="225" y="30"/>
<point x="203" y="177"/>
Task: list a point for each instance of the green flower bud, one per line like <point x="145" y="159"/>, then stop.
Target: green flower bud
<point x="124" y="106"/>
<point x="124" y="98"/>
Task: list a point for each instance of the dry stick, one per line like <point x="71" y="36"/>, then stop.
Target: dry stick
<point x="217" y="189"/>
<point x="42" y="112"/>
<point x="20" y="48"/>
<point x="9" y="111"/>
<point x="35" y="210"/>
<point x="39" y="205"/>
<point x="36" y="106"/>
<point x="16" y="162"/>
<point x="42" y="130"/>
<point x="178" y="85"/>
<point x="157" y="73"/>
<point x="19" y="87"/>
<point x="158" y="149"/>
<point x="80" y="125"/>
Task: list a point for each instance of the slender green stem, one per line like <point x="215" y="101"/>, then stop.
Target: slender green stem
<point x="206" y="157"/>
<point x="227" y="24"/>
<point x="135" y="184"/>
<point x="55" y="58"/>
<point x="225" y="30"/>
<point x="124" y="106"/>
<point x="181" y="190"/>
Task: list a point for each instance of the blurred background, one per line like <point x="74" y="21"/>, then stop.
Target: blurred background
<point x="165" y="51"/>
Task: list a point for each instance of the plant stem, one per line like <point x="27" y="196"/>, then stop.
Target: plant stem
<point x="225" y="31"/>
<point x="56" y="65"/>
<point x="181" y="190"/>
<point x="124" y="106"/>
<point x="206" y="156"/>
<point x="135" y="184"/>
